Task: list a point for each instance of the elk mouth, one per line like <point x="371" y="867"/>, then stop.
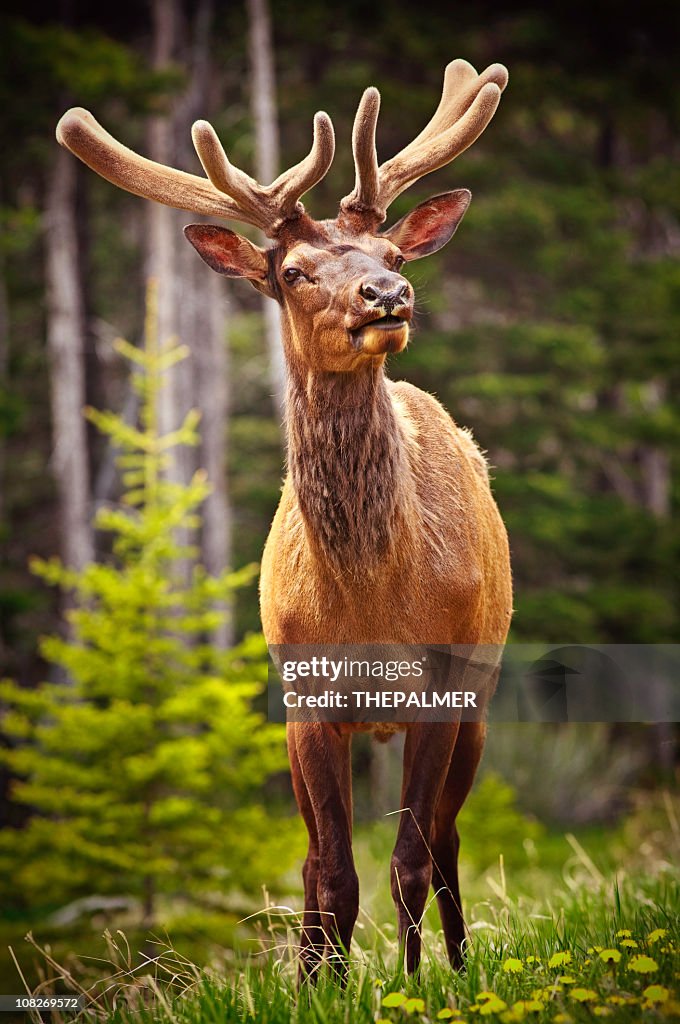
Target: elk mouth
<point x="385" y="333"/>
<point x="388" y="321"/>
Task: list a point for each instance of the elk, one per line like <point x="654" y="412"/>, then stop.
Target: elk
<point x="386" y="531"/>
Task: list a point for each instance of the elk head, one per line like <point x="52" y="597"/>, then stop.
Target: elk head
<point x="338" y="282"/>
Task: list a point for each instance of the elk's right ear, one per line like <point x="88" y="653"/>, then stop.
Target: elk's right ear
<point x="230" y="254"/>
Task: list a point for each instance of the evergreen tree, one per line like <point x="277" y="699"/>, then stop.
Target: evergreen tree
<point x="144" y="770"/>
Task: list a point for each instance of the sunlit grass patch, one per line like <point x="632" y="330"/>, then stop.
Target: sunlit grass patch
<point x="572" y="965"/>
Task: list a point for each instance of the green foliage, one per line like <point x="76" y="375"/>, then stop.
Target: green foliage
<point x="567" y="775"/>
<point x="563" y="366"/>
<point x="54" y="62"/>
<point x="144" y="766"/>
<point x="490" y="824"/>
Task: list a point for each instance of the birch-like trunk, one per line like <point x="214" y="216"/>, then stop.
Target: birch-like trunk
<point x="161" y="220"/>
<point x="212" y="398"/>
<point x="655" y="496"/>
<point x="4" y="364"/>
<point x="203" y="323"/>
<point x="66" y="346"/>
<point x="263" y="104"/>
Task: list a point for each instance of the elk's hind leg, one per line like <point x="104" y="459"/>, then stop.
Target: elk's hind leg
<point x="445" y="843"/>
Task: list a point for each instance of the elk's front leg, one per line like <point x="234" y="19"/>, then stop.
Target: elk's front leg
<point x="312" y="940"/>
<point x="427" y="755"/>
<point x="323" y="754"/>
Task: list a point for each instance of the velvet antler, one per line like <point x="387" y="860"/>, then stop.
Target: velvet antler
<point x="229" y="193"/>
<point x="468" y="103"/>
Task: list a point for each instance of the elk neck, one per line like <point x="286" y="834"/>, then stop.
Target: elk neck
<point x="347" y="463"/>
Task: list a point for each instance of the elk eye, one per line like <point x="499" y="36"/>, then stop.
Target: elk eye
<point x="291" y="274"/>
<point x="399" y="262"/>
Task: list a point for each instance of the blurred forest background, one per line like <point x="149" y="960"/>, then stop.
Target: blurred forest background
<point x="549" y="326"/>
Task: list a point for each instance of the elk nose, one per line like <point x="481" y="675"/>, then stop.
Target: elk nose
<point x="381" y="294"/>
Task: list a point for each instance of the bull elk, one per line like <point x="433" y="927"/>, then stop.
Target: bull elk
<point x="387" y="531"/>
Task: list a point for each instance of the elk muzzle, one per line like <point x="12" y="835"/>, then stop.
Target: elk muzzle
<point x="381" y="315"/>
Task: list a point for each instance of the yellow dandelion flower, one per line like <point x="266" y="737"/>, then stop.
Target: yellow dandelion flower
<point x="624" y="933"/>
<point x="560" y="959"/>
<point x="527" y="1006"/>
<point x="584" y="995"/>
<point x="414" y="1005"/>
<point x="643" y="965"/>
<point x="610" y="956"/>
<point x="394" y="999"/>
<point x="658" y="933"/>
<point x="656" y="994"/>
<point x="567" y="979"/>
<point x="533" y="960"/>
<point x="629" y="943"/>
<point x="513" y="966"/>
<point x="510" y="1016"/>
<point x="492" y="1006"/>
<point x="563" y="1018"/>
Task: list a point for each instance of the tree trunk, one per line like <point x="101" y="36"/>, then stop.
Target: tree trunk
<point x="4" y="364"/>
<point x="212" y="393"/>
<point x="203" y="327"/>
<point x="655" y="496"/>
<point x="655" y="466"/>
<point x="66" y="345"/>
<point x="4" y="532"/>
<point x="263" y="105"/>
<point x="162" y="236"/>
<point x="165" y="269"/>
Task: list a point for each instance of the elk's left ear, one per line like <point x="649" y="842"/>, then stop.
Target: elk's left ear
<point x="230" y="254"/>
<point x="431" y="225"/>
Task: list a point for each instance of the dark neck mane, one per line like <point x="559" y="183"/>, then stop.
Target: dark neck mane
<point x="345" y="458"/>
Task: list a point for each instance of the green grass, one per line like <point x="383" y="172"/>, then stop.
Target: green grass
<point x="543" y="924"/>
<point x="568" y="980"/>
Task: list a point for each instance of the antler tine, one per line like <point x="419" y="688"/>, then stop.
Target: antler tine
<point x="434" y="151"/>
<point x="267" y="205"/>
<point x="461" y="86"/>
<point x="79" y="132"/>
<point x="290" y="186"/>
<point x="366" y="188"/>
<point x="245" y="192"/>
<point x="467" y="104"/>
